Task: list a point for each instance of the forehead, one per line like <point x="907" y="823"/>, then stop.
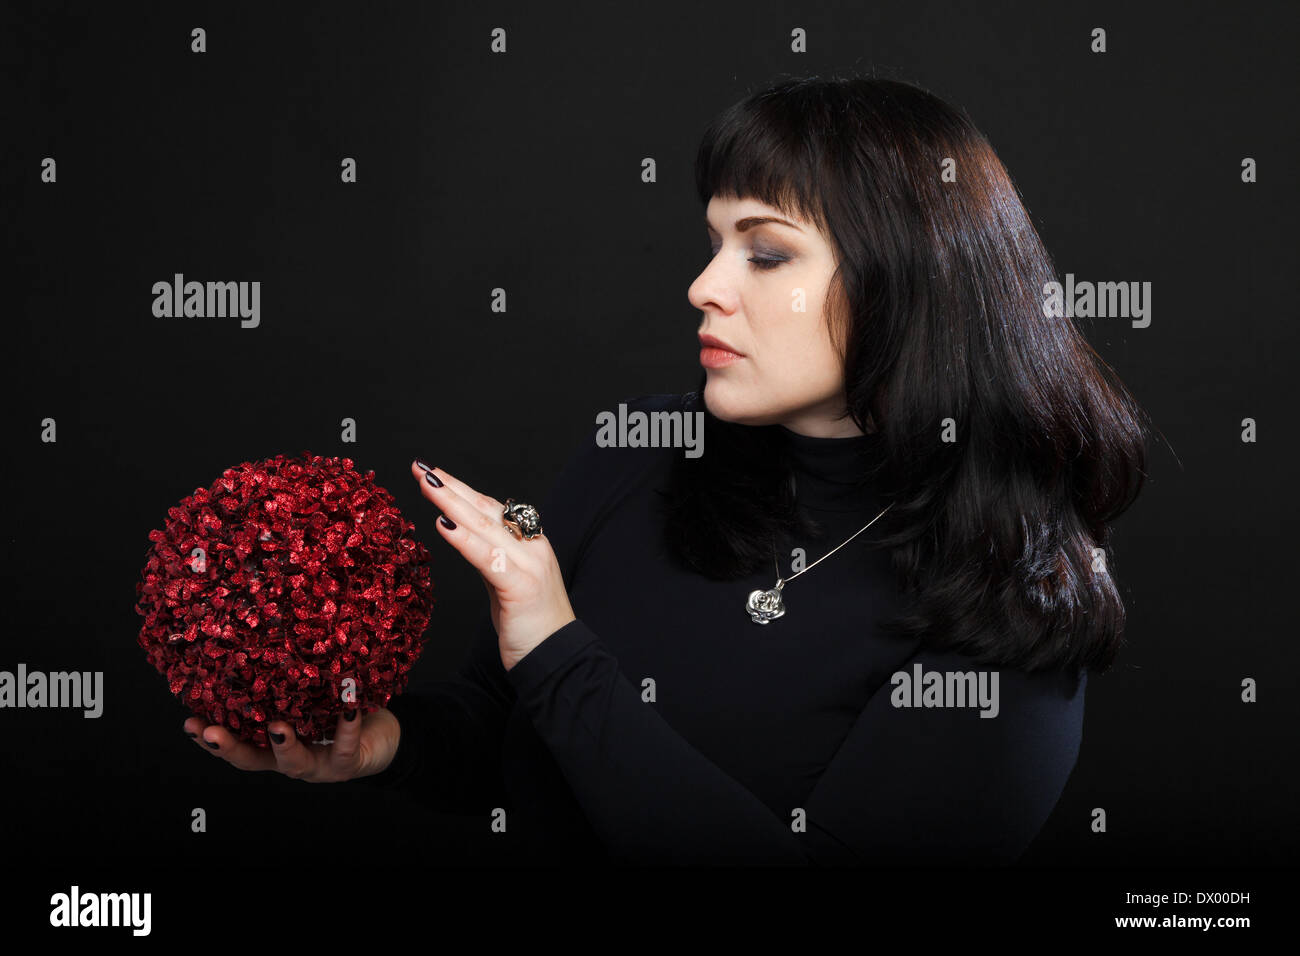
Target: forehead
<point x="748" y="206"/>
<point x="723" y="211"/>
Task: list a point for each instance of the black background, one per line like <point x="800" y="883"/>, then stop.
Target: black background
<point x="522" y="171"/>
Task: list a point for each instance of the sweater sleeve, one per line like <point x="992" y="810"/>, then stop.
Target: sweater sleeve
<point x="449" y="752"/>
<point x="907" y="785"/>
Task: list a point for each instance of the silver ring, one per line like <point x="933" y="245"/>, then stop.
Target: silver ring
<point x="522" y="519"/>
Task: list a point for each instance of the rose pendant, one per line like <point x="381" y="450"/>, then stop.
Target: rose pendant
<point x="764" y="606"/>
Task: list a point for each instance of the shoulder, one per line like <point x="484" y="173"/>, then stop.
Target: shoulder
<point x="1020" y="694"/>
<point x="1019" y="726"/>
<point x="625" y="447"/>
<point x="989" y="751"/>
<point x="631" y="435"/>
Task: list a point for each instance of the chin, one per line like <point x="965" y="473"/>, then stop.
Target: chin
<point x="726" y="401"/>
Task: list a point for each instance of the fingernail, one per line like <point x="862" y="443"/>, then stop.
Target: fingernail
<point x="433" y="479"/>
<point x="212" y="745"/>
<point x="191" y="734"/>
<point x="350" y="715"/>
<point x="278" y="738"/>
<point x="420" y="463"/>
<point x="447" y="523"/>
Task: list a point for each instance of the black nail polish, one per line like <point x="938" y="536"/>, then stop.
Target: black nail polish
<point x="433" y="479"/>
<point x="212" y="745"/>
<point x="447" y="523"/>
<point x="278" y="738"/>
<point x="350" y="715"/>
<point x="420" y="464"/>
<point x="191" y="734"/>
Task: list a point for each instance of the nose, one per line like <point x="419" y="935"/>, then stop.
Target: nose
<point x="711" y="287"/>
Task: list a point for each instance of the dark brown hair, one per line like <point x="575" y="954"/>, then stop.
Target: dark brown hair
<point x="936" y="307"/>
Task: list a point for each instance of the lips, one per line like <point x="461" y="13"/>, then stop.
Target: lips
<point x="715" y="353"/>
<point x="712" y="342"/>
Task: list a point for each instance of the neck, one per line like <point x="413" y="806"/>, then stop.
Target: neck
<point x="833" y="474"/>
<point x="823" y="429"/>
<point x="816" y="426"/>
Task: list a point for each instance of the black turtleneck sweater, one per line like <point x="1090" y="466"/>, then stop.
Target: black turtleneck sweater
<point x="665" y="726"/>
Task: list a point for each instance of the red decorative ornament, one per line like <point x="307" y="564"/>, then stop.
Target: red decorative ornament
<point x="291" y="589"/>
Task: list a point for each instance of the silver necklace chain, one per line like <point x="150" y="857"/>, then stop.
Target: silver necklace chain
<point x="782" y="582"/>
<point x="764" y="606"/>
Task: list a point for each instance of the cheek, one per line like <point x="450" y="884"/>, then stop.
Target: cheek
<point x="794" y="345"/>
<point x="798" y="362"/>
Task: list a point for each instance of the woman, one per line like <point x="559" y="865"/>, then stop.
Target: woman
<point x="857" y="628"/>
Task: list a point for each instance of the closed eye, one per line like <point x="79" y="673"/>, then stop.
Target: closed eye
<point x="762" y="263"/>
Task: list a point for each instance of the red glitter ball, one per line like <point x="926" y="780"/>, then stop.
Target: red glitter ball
<point x="267" y="591"/>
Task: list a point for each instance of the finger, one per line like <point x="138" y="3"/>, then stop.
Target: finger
<point x="489" y="556"/>
<point x="490" y="506"/>
<point x="293" y="758"/>
<point x="222" y="743"/>
<point x="484" y="503"/>
<point x="346" y="750"/>
<point x="465" y="514"/>
<point x="194" y="730"/>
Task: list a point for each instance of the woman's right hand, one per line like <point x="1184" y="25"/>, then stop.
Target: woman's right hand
<point x="360" y="748"/>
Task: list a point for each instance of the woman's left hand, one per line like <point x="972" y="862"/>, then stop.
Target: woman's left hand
<point x="525" y="586"/>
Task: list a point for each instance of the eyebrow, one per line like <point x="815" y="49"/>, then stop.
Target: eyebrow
<point x="750" y="222"/>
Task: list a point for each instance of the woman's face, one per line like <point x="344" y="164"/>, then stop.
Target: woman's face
<point x="763" y="295"/>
